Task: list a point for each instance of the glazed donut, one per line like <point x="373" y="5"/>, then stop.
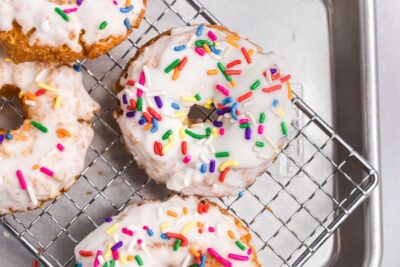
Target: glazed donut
<point x="46" y="154"/>
<point x="206" y="66"/>
<point x="178" y="232"/>
<point x="62" y="31"/>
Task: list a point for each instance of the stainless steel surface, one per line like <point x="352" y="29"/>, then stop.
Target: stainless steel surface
<point x="311" y="189"/>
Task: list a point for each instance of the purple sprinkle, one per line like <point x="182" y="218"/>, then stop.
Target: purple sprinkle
<point x="158" y="101"/>
<point x="247" y="133"/>
<point x="212" y="166"/>
<point x="117" y="246"/>
<point x="131" y="114"/>
<point x="1" y="138"/>
<point x="142" y="121"/>
<point x="79" y="2"/>
<point x="273" y="71"/>
<point x="223" y="111"/>
<point x="124" y="99"/>
<point x="108" y="219"/>
<point x="218" y="123"/>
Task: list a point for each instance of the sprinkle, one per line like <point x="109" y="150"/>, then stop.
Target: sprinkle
<point x="245" y="96"/>
<point x="212" y="166"/>
<point x="127" y="24"/>
<point x="212" y="72"/>
<point x="86" y="253"/>
<point x="60" y="12"/>
<point x="173" y="65"/>
<point x="203" y="260"/>
<point x="194" y="135"/>
<point x="117" y="246"/>
<point x="238" y="257"/>
<point x="46" y="87"/>
<point x="47" y="171"/>
<point x="284" y="129"/>
<point x="184" y="147"/>
<point x="150" y="232"/>
<point x="175" y="106"/>
<point x="222" y="89"/>
<point x="232" y="43"/>
<point x="223" y="174"/>
<point x="103" y="25"/>
<point x="187" y="227"/>
<point x="206" y="48"/>
<point x="223" y="69"/>
<point x="61" y="133"/>
<point x="247" y="133"/>
<point x="60" y="147"/>
<point x="172" y="213"/>
<point x="261" y="119"/>
<point x="222" y="154"/>
<point x="228" y="163"/>
<point x="177" y="244"/>
<point x="290" y="92"/>
<point x="197" y="97"/>
<point x="178" y="236"/>
<point x="182" y="63"/>
<point x="168" y="146"/>
<point x="39" y="126"/>
<point x="188" y="99"/>
<point x="154" y="114"/>
<point x="233" y="63"/>
<point x="40" y="92"/>
<point x="219" y="258"/>
<point x="255" y="85"/>
<point x="260" y="129"/>
<point x="21" y="179"/>
<point x="112" y="228"/>
<point x="272" y="88"/>
<point x="199" y="30"/>
<point x="158" y="101"/>
<point x="212" y="36"/>
<point x="231" y="234"/>
<point x="286" y="78"/>
<point x="260" y="144"/>
<point x="240" y="245"/>
<point x="139" y="260"/>
<point x="146" y="74"/>
<point x="200" y="51"/>
<point x="246" y="55"/>
<point x="179" y="48"/>
<point x="194" y="252"/>
<point x="244" y="125"/>
<point x="233" y="72"/>
<point x="186" y="159"/>
<point x="167" y="134"/>
<point x="126" y="9"/>
<point x="57" y="102"/>
<point x="176" y="74"/>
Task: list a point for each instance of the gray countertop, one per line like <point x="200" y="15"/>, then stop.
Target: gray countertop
<point x="231" y="14"/>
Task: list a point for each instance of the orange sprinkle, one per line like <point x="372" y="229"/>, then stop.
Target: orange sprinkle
<point x="233" y="83"/>
<point x="172" y="213"/>
<point x="35" y="167"/>
<point x="200" y="224"/>
<point x="289" y="90"/>
<point x="231" y="235"/>
<point x="232" y="43"/>
<point x="212" y="72"/>
<point x="26" y="126"/>
<point x="129" y="258"/>
<point x="185" y="210"/>
<point x="128" y="3"/>
<point x="194" y="252"/>
<point x="175" y="76"/>
<point x="148" y="126"/>
<point x="251" y="52"/>
<point x="233" y="37"/>
<point x="206" y="48"/>
<point x="61" y="133"/>
<point x="30" y="96"/>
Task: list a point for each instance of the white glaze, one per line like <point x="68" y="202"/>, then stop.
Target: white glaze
<point x="52" y="30"/>
<point x="156" y="251"/>
<point x="193" y="79"/>
<point x="30" y="147"/>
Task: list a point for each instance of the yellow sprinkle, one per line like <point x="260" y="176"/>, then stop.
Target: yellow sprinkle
<point x="188" y="98"/>
<point x="233" y="37"/>
<point x="168" y="146"/>
<point x="276" y="151"/>
<point x="179" y="114"/>
<point x="21" y="94"/>
<point x="280" y="111"/>
<point x="212" y="72"/>
<point x="182" y="133"/>
<point x="209" y="103"/>
<point x="185" y="210"/>
<point x="7" y="59"/>
<point x="216" y="44"/>
<point x="46" y="87"/>
<point x="250" y="52"/>
<point x="206" y="48"/>
<point x="108" y="252"/>
<point x="233" y="83"/>
<point x="290" y="92"/>
<point x="175" y="76"/>
<point x="231" y="235"/>
<point x="112" y="228"/>
<point x="228" y="163"/>
<point x="122" y="258"/>
<point x="188" y="226"/>
<point x="194" y="252"/>
<point x="232" y="43"/>
<point x="165" y="225"/>
<point x="57" y="102"/>
<point x="215" y="132"/>
<point x="172" y="213"/>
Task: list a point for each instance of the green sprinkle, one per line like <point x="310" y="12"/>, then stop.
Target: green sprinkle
<point x="255" y="85"/>
<point x="139" y="260"/>
<point x="260" y="144"/>
<point x="222" y="68"/>
<point x="60" y="12"/>
<point x="198" y="97"/>
<point x="103" y="25"/>
<point x="240" y="245"/>
<point x="284" y="129"/>
<point x="244" y="125"/>
<point x="173" y="65"/>
<point x="139" y="104"/>
<point x="208" y="131"/>
<point x="195" y="135"/>
<point x="262" y="117"/>
<point x="39" y="126"/>
<point x="110" y="263"/>
<point x="177" y="244"/>
<point x="166" y="135"/>
<point x="194" y="265"/>
<point x="223" y="154"/>
<point x="199" y="43"/>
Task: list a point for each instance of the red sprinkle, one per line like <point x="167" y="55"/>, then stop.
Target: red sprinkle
<point x="154" y="113"/>
<point x="147" y="116"/>
<point x="184" y="147"/>
<point x="245" y="96"/>
<point x="178" y="236"/>
<point x="223" y="174"/>
<point x="158" y="148"/>
<point x="246" y="55"/>
<point x="183" y="63"/>
<point x="85" y="253"/>
<point x="286" y="78"/>
<point x="276" y="76"/>
<point x="133" y="104"/>
<point x="200" y="208"/>
<point x="233" y="63"/>
<point x="40" y="92"/>
<point x="233" y="72"/>
<point x="272" y="88"/>
<point x="35" y="263"/>
<point x="130" y="83"/>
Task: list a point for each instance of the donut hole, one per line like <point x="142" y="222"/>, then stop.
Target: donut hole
<point x="200" y="114"/>
<point x="12" y="110"/>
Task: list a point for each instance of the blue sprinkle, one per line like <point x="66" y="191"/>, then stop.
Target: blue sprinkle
<point x="126" y="9"/>
<point x="117" y="246"/>
<point x="233" y="111"/>
<point x="1" y="138"/>
<point x="203" y="261"/>
<point x="179" y="48"/>
<point x="124" y="99"/>
<point x="142" y="121"/>
<point x="175" y="106"/>
<point x="200" y="30"/>
<point x="78" y="264"/>
<point x="164" y="236"/>
<point x="77" y="67"/>
<point x="215" y="50"/>
<point x="8" y="136"/>
<point x="130" y="114"/>
<point x="155" y="125"/>
<point x="150" y="232"/>
<point x="241" y="193"/>
<point x="203" y="168"/>
<point x="226" y="100"/>
<point x="108" y="219"/>
<point x="127" y="24"/>
<point x="275" y="103"/>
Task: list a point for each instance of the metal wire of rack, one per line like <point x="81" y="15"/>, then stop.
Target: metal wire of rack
<point x="290" y="216"/>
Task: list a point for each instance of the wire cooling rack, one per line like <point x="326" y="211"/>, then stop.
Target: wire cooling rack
<point x="313" y="186"/>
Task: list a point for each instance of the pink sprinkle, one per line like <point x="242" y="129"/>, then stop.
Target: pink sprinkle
<point x="145" y="227"/>
<point x="70" y="10"/>
<point x="249" y="251"/>
<point x="142" y="79"/>
<point x="96" y="262"/>
<point x="187" y="159"/>
<point x="222" y="89"/>
<point x="46" y="171"/>
<point x="21" y="180"/>
<point x="200" y="51"/>
<point x="219" y="258"/>
<point x="211" y="229"/>
<point x="260" y="129"/>
<point x="238" y="257"/>
<point x="127" y="231"/>
<point x="139" y="241"/>
<point x="139" y="92"/>
<point x="241" y="121"/>
<point x="212" y="36"/>
<point x="115" y="255"/>
<point x="60" y="147"/>
<point x="115" y="2"/>
<point x="221" y="131"/>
